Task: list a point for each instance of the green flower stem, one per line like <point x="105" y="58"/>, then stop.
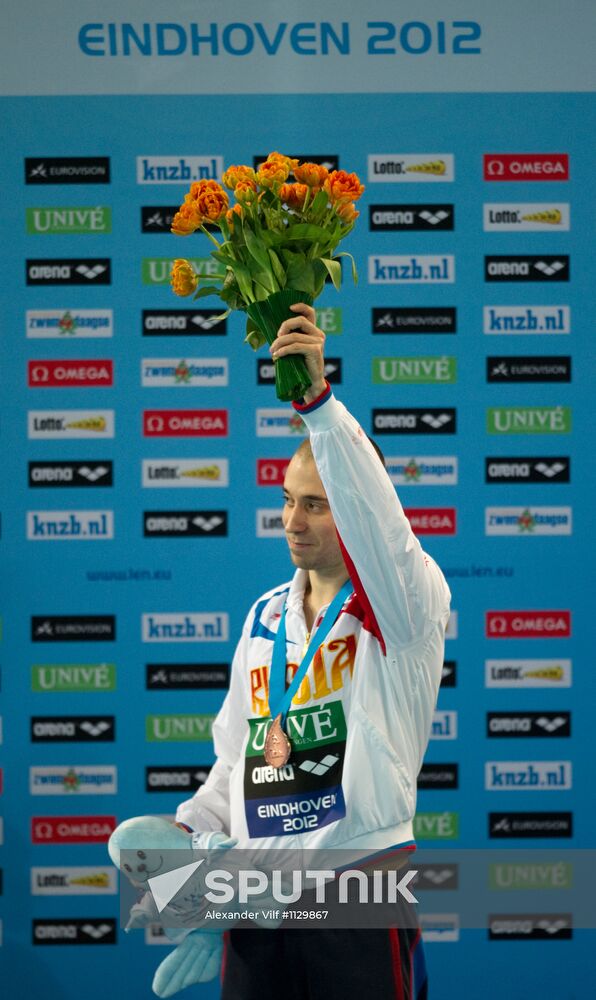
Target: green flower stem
<point x="291" y="374"/>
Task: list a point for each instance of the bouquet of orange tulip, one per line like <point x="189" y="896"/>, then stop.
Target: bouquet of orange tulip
<point x="279" y="244"/>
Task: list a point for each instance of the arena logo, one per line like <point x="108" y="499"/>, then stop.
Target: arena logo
<point x="67" y="170"/>
<point x="434" y="877"/>
<point x="73" y="628"/>
<point x="83" y="677"/>
<point x="422" y="470"/>
<point x="65" y="474"/>
<point x="271" y="471"/>
<point x="423" y="319"/>
<point x="182" y="372"/>
<point x="526" y="217"/>
<point x="56" y="424"/>
<point x="449" y="674"/>
<point x="212" y="626"/>
<point x="539" y="673"/>
<point x="400" y="218"/>
<point x="70" y="525"/>
<point x="69" y="271"/>
<point x="523" y="320"/>
<point x="185" y="523"/>
<point x="80" y="930"/>
<point x="270" y="523"/>
<point x="526" y="166"/>
<point x="438" y="776"/>
<point x="156" y="270"/>
<point x="436" y="826"/>
<point x="73" y="728"/>
<point x="414" y="420"/>
<point x="178" y="728"/>
<point x="70" y="373"/>
<point x="528" y="420"/>
<point x="178" y="169"/>
<point x="69" y="220"/>
<point x="432" y="520"/>
<point x="187" y="676"/>
<point x="185" y="423"/>
<point x="185" y="473"/>
<point x="531" y="267"/>
<point x="266" y="371"/>
<point x="528" y="521"/>
<point x="401" y="269"/>
<point x="183" y="323"/>
<point x="66" y="323"/>
<point x="72" y="881"/>
<point x="528" y="368"/>
<point x="530" y="825"/>
<point x="392" y="168"/>
<point x="527" y="469"/>
<point x="530" y="926"/>
<point x="328" y="160"/>
<point x="528" y="724"/>
<point x="72" y="829"/>
<point x="528" y="624"/>
<point x="527" y="775"/>
<point x="440" y="927"/>
<point x="444" y="726"/>
<point x="279" y="423"/>
<point x="416" y="370"/>
<point x="76" y="779"/>
<point x="176" y="778"/>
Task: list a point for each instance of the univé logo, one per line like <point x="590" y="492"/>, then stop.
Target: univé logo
<point x="526" y="166"/>
<point x="70" y="373"/>
<point x="528" y="624"/>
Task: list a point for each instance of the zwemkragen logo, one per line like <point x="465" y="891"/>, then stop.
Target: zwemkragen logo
<point x="271" y="471"/>
<point x="423" y="319"/>
<point x="80" y="930"/>
<point x="176" y="778"/>
<point x="269" y="523"/>
<point x="184" y="473"/>
<point x="529" y="469"/>
<point x="528" y="368"/>
<point x="530" y="926"/>
<point x="528" y="420"/>
<point x="534" y="217"/>
<point x="73" y="628"/>
<point x="528" y="724"/>
<point x="156" y="270"/>
<point x="329" y="160"/>
<point x="432" y="520"/>
<point x="70" y="373"/>
<point x="399" y="218"/>
<point x="71" y="881"/>
<point x="73" y="729"/>
<point x="61" y="677"/>
<point x="178" y="728"/>
<point x="526" y="166"/>
<point x="185" y="423"/>
<point x="279" y="423"/>
<point x="402" y="269"/>
<point x="185" y="523"/>
<point x="414" y="420"/>
<point x="529" y="825"/>
<point x="444" y="726"/>
<point x="266" y="371"/>
<point x="194" y="626"/>
<point x="77" y="779"/>
<point x="436" y="826"/>
<point x="184" y="372"/>
<point x="391" y="168"/>
<point x="527" y="521"/>
<point x="422" y="470"/>
<point x="63" y="474"/>
<point x="187" y="676"/>
<point x="414" y="370"/>
<point x="531" y="267"/>
<point x="527" y="319"/>
<point x="69" y="219"/>
<point x="449" y="674"/>
<point x="183" y="323"/>
<point x="528" y="624"/>
<point x="65" y="323"/>
<point x="55" y="424"/>
<point x="69" y="271"/>
<point x="527" y="775"/>
<point x="70" y="525"/>
<point x="67" y="170"/>
<point x="72" y="829"/>
<point x="553" y="673"/>
<point x="439" y="776"/>
<point x="178" y="169"/>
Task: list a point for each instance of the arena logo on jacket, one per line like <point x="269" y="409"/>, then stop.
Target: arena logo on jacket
<point x="306" y="793"/>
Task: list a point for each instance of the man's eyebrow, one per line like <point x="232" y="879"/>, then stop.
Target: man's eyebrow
<point x="309" y="496"/>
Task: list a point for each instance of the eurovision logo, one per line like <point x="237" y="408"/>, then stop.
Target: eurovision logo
<point x="414" y="420"/>
<point x="402" y="269"/>
<point x="69" y="220"/>
<point x="67" y="323"/>
<point x="422" y="470"/>
<point x="449" y="674"/>
<point x="69" y="271"/>
<point x="55" y="424"/>
<point x="529" y="825"/>
<point x="527" y="521"/>
<point x="423" y="319"/>
<point x="185" y="423"/>
<point x="183" y="323"/>
<point x="67" y="170"/>
<point x="184" y="372"/>
<point x="527" y="469"/>
<point x="72" y="829"/>
<point x="526" y="319"/>
<point x="187" y="676"/>
<point x="438" y="776"/>
<point x="399" y="218"/>
<point x="528" y="368"/>
<point x="528" y="624"/>
<point x="414" y="370"/>
<point x="184" y="473"/>
<point x="553" y="673"/>
<point x="64" y="474"/>
<point x="536" y="217"/>
<point x="526" y="166"/>
<point x="73" y="628"/>
<point x="178" y="169"/>
<point x="70" y="373"/>
<point x="531" y="267"/>
<point x="391" y="168"/>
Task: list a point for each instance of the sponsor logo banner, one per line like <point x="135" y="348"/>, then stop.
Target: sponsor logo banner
<point x="187" y="676"/>
<point x="78" y="779"/>
<point x="422" y="470"/>
<point x="62" y="323"/>
<point x="432" y="520"/>
<point x="73" y="628"/>
<point x="269" y="523"/>
<point x="266" y="371"/>
<point x="178" y="169"/>
<point x="436" y="826"/>
<point x="69" y="271"/>
<point x="528" y="420"/>
<point x="414" y="420"/>
<point x="177" y="778"/>
<point x="271" y="471"/>
<point x="184" y="472"/>
<point x="528" y="673"/>
<point x="72" y="829"/>
<point x="421" y="319"/>
<point x="451" y="632"/>
<point x="531" y="267"/>
<point x="178" y="728"/>
<point x="73" y="728"/>
<point x="69" y="219"/>
<point x="67" y="170"/>
<point x="529" y="825"/>
<point x="528" y="624"/>
<point x="532" y="724"/>
<point x="530" y="469"/>
<point x="279" y="423"/>
<point x="526" y="926"/>
<point x="185" y="523"/>
<point x="329" y="160"/>
<point x="449" y="674"/>
<point x="62" y="677"/>
<point x="191" y="372"/>
<point x="536" y="217"/>
<point x="71" y="881"/>
<point x="398" y="218"/>
<point x="439" y="776"/>
<point x="524" y="775"/>
<point x="527" y="521"/>
<point x="442" y="927"/>
<point x="156" y="270"/>
<point x="401" y="269"/>
<point x="183" y="323"/>
<point x="80" y="930"/>
<point x="194" y="626"/>
<point x="444" y="726"/>
<point x="528" y="368"/>
<point x="522" y="320"/>
<point x="436" y="876"/>
<point x="329" y="319"/>
<point x="55" y="424"/>
<point x="69" y="525"/>
<point x="391" y="168"/>
<point x="157" y="218"/>
<point x="185" y="423"/>
<point x="414" y="370"/>
<point x="88" y="472"/>
<point x="74" y="374"/>
<point x="526" y="166"/>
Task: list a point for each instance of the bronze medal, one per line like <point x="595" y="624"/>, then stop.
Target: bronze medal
<point x="277" y="748"/>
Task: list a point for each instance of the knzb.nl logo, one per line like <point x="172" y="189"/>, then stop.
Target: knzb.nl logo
<point x="70" y="525"/>
<point x="527" y="775"/>
<point x="178" y="169"/>
<point x="431" y="269"/>
<point x="190" y="627"/>
<point x="527" y="319"/>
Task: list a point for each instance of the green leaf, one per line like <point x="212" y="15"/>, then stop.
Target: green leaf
<point x="244" y="279"/>
<point x="256" y="248"/>
<point x="344" y="253"/>
<point x="278" y="269"/>
<point x="334" y="269"/>
<point x="301" y="276"/>
<point x="254" y="337"/>
<point x="307" y="231"/>
<point x="202" y="293"/>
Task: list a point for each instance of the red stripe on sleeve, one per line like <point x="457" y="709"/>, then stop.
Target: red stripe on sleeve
<point x="370" y="621"/>
<point x="396" y="963"/>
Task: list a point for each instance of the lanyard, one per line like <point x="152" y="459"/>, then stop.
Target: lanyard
<point x="279" y="698"/>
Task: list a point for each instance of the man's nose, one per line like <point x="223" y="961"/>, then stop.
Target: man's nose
<point x="294" y="519"/>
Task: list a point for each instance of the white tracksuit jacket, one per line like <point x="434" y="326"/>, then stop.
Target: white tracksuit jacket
<point x="360" y="722"/>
